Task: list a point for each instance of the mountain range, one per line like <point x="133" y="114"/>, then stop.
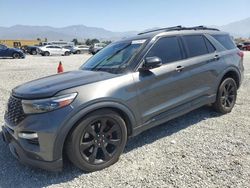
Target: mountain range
<point x="237" y="29"/>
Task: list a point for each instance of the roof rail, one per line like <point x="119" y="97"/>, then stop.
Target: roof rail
<point x="161" y="29"/>
<point x="179" y="28"/>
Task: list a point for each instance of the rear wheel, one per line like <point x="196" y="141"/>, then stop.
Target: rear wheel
<point x="46" y="53"/>
<point x="33" y="52"/>
<point x="66" y="53"/>
<point x="16" y="55"/>
<point x="97" y="141"/>
<point x="78" y="52"/>
<point x="226" y="96"/>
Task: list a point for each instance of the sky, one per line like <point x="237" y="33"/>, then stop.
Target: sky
<point x="122" y="15"/>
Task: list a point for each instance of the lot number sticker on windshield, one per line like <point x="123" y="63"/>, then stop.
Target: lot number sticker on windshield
<point x="138" y="41"/>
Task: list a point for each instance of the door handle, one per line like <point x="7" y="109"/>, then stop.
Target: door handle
<point x="216" y="57"/>
<point x="179" y="68"/>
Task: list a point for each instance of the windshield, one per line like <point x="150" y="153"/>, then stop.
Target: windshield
<point x="114" y="58"/>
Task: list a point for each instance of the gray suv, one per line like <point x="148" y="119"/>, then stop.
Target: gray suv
<point x="129" y="86"/>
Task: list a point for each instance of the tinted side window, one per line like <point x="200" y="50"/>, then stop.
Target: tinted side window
<point x="195" y="45"/>
<point x="168" y="49"/>
<point x="210" y="47"/>
<point x="225" y="41"/>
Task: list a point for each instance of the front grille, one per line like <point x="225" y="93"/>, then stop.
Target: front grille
<point x="14" y="113"/>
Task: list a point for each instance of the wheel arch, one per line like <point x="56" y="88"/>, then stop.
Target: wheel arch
<point x="232" y="73"/>
<point x="70" y="124"/>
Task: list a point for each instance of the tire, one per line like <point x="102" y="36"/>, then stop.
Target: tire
<point x="226" y="96"/>
<point x="66" y="53"/>
<point x="78" y="52"/>
<point x="46" y="53"/>
<point x="16" y="55"/>
<point x="33" y="52"/>
<point x="98" y="141"/>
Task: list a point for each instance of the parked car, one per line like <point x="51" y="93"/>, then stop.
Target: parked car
<point x="32" y="50"/>
<point x="57" y="43"/>
<point x="131" y="85"/>
<point x="239" y="45"/>
<point x="69" y="47"/>
<point x="80" y="49"/>
<point x="53" y="50"/>
<point x="245" y="46"/>
<point x="15" y="53"/>
<point x="96" y="48"/>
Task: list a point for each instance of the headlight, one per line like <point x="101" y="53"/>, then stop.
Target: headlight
<point x="49" y="104"/>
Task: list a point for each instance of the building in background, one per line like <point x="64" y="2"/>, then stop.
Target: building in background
<point x="19" y="43"/>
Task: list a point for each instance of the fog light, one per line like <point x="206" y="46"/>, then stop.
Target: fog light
<point x="28" y="135"/>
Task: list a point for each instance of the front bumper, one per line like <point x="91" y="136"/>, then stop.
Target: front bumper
<point x="27" y="157"/>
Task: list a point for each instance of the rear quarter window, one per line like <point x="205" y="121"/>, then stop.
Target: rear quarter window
<point x="225" y="40"/>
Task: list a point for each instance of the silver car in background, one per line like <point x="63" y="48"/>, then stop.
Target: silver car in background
<point x="53" y="50"/>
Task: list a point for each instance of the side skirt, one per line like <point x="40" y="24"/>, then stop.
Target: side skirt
<point x="175" y="112"/>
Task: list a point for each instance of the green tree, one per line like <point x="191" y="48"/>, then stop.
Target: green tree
<point x="93" y="41"/>
<point x="88" y="42"/>
<point x="75" y="41"/>
<point x="107" y="42"/>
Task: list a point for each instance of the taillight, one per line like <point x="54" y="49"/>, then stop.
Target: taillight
<point x="241" y="54"/>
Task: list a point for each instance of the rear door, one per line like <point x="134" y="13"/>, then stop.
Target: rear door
<point x="202" y="64"/>
<point x="51" y="50"/>
<point x="59" y="50"/>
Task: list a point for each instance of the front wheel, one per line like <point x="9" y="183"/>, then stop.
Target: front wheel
<point x="97" y="141"/>
<point x="226" y="96"/>
<point x="16" y="55"/>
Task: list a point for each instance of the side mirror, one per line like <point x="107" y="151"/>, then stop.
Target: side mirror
<point x="150" y="63"/>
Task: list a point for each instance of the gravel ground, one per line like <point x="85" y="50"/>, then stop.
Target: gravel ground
<point x="200" y="149"/>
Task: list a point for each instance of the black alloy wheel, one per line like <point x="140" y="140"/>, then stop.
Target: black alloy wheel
<point x="16" y="55"/>
<point x="100" y="140"/>
<point x="226" y="96"/>
<point x="97" y="141"/>
<point x="34" y="52"/>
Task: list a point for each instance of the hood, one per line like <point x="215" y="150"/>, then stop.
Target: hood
<point x="16" y="49"/>
<point x="49" y="86"/>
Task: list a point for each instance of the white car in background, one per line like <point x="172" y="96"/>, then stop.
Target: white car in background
<point x="80" y="49"/>
<point x="96" y="48"/>
<point x="53" y="50"/>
